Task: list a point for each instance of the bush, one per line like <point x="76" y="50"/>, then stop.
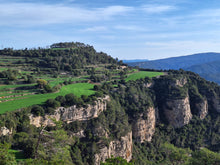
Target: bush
<point x="61" y="99"/>
<point x="71" y="99"/>
<point x="52" y="103"/>
<point x="37" y="110"/>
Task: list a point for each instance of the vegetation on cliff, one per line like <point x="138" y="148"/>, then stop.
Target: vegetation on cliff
<point x="31" y="83"/>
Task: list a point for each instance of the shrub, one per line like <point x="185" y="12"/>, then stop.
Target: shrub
<point x="37" y="110"/>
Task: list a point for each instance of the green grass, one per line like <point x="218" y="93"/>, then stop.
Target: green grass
<point x="143" y="74"/>
<point x="56" y="81"/>
<point x="2" y="68"/>
<point x="77" y="89"/>
<point x="3" y="87"/>
<point x="19" y="155"/>
<point x="11" y="94"/>
<point x="133" y="70"/>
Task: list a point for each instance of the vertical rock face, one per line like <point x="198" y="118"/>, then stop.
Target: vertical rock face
<point x="202" y="108"/>
<point x="5" y="131"/>
<point x="216" y="104"/>
<point x="178" y="112"/>
<point x="143" y="127"/>
<point x="72" y="113"/>
<point x="117" y="148"/>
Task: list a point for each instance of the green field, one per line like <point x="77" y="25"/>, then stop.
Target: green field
<point x="19" y="156"/>
<point x="25" y="101"/>
<point x="143" y="74"/>
<point x="5" y="87"/>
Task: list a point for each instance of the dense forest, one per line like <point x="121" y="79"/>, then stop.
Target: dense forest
<point x="93" y="109"/>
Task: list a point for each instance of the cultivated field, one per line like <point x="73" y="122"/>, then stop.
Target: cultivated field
<point x="143" y="74"/>
<point x="28" y="100"/>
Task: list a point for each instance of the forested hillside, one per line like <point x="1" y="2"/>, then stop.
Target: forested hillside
<point x="92" y="109"/>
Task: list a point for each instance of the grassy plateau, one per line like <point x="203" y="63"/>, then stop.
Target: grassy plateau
<point x="143" y="74"/>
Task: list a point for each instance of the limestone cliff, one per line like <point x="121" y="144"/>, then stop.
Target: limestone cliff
<point x="216" y="103"/>
<point x="72" y="113"/>
<point x="178" y="112"/>
<point x="117" y="148"/>
<point x="4" y="131"/>
<point x="143" y="126"/>
<point x="202" y="108"/>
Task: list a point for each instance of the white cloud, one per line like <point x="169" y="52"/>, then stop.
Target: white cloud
<point x="95" y="29"/>
<point x="30" y="14"/>
<point x="130" y="28"/>
<point x="157" y="9"/>
<point x="114" y="10"/>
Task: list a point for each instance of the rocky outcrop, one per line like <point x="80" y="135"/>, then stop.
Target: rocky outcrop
<point x="202" y="108"/>
<point x="180" y="82"/>
<point x="4" y="131"/>
<point x="79" y="134"/>
<point x="216" y="104"/>
<point x="100" y="132"/>
<point x="117" y="148"/>
<point x="91" y="111"/>
<point x="178" y="112"/>
<point x="149" y="85"/>
<point x="39" y="121"/>
<point x="143" y="126"/>
<point x="72" y="113"/>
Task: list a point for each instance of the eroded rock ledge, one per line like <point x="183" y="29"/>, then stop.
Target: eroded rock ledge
<point x="117" y="148"/>
<point x="72" y="113"/>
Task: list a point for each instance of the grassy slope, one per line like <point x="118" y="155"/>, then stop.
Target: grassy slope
<point x="77" y="89"/>
<point x="143" y="74"/>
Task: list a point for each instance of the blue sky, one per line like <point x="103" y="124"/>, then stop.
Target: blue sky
<point x="127" y="29"/>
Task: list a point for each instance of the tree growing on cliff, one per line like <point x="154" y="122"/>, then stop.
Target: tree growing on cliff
<point x="116" y="161"/>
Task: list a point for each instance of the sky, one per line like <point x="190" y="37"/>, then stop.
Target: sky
<point x="126" y="29"/>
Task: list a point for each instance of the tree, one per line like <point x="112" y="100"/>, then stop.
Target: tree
<point x="6" y="157"/>
<point x="71" y="99"/>
<point x="205" y="156"/>
<point x="116" y="161"/>
<point x="54" y="146"/>
<point x="41" y="83"/>
<point x="37" y="110"/>
<point x="52" y="103"/>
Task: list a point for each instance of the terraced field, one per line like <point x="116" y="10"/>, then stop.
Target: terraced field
<point x="18" y="102"/>
<point x="18" y="94"/>
<point x="143" y="74"/>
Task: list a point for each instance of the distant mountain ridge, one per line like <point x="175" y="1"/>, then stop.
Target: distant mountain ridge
<point x="206" y="65"/>
<point x="135" y="60"/>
